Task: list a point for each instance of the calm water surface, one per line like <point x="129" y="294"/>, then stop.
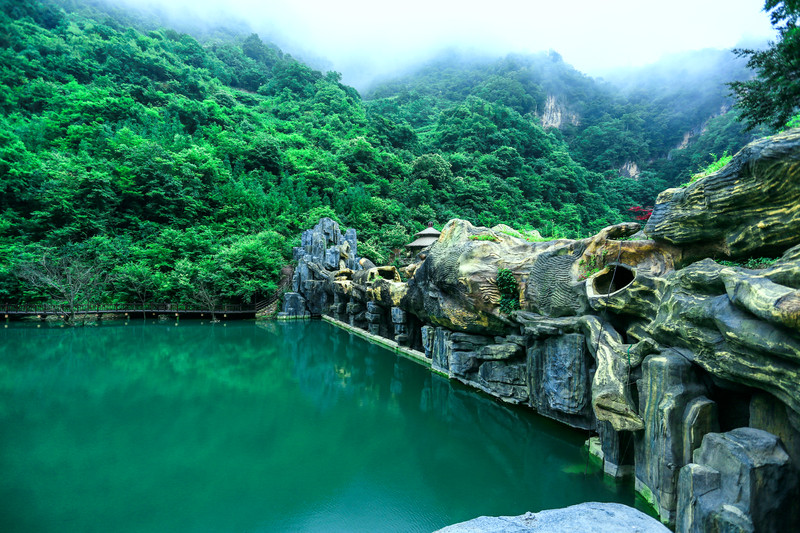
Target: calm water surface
<point x="238" y="427"/>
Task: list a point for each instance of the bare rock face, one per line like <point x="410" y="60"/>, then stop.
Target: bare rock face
<point x="560" y="371"/>
<point x="669" y="384"/>
<point x="556" y="114"/>
<point x="322" y="251"/>
<point x="749" y="208"/>
<point x="614" y="361"/>
<point x="741" y="480"/>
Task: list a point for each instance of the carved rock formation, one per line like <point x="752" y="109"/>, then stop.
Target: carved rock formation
<point x="322" y="251"/>
<point x="751" y="207"/>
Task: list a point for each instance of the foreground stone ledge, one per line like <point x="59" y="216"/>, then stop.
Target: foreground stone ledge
<point x="585" y="517"/>
<point x="377" y="339"/>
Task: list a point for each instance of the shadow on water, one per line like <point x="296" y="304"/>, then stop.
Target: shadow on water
<point x="153" y="426"/>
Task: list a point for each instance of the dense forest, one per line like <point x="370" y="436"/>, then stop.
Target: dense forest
<point x="175" y="169"/>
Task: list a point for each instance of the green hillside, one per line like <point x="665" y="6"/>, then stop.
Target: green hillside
<point x="177" y="169"/>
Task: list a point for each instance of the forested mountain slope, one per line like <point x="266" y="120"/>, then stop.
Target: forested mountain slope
<point x="657" y="124"/>
<point x="176" y="167"/>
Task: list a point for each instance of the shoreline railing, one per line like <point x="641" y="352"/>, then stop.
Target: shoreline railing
<point x="32" y="309"/>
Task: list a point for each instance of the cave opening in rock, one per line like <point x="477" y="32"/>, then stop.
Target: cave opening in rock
<point x="614" y="278"/>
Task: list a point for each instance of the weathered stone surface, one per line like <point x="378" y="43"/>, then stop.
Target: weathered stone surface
<point x="749" y="208"/>
<point x="398" y="316"/>
<point x="611" y="395"/>
<point x="699" y="419"/>
<point x="323" y="249"/>
<point x="440" y="350"/>
<point x="332" y="258"/>
<point x="316" y="293"/>
<point x="762" y="297"/>
<point x="741" y="480"/>
<point x="499" y="351"/>
<point x="455" y="285"/>
<point x="726" y="338"/>
<point x="514" y="339"/>
<point x="354" y="307"/>
<point x="467" y="342"/>
<point x="504" y="379"/>
<point x="462" y="363"/>
<point x="585" y="517"/>
<point x="694" y="482"/>
<point x="617" y="450"/>
<point x="772" y="415"/>
<point x="352" y="258"/>
<point x="560" y="374"/>
<point x="427" y="335"/>
<point x="669" y="384"/>
<point x="294" y="305"/>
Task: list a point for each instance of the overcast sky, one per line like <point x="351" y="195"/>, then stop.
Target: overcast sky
<point x="366" y="38"/>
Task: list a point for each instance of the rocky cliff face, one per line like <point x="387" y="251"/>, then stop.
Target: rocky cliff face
<point x="323" y="250"/>
<point x="692" y="363"/>
<point x="556" y="114"/>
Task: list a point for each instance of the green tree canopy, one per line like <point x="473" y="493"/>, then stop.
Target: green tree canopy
<point x="773" y="96"/>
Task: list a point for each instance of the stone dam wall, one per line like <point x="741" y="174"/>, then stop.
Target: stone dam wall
<point x="684" y="361"/>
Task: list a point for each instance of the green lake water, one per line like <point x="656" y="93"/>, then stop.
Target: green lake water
<point x="239" y="427"/>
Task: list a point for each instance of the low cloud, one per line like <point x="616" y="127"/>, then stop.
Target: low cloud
<point x="367" y="39"/>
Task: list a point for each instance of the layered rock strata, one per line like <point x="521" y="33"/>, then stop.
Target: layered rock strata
<point x="687" y="367"/>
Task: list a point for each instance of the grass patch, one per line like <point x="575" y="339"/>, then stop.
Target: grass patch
<point x="714" y="166"/>
<point x="483" y="238"/>
<point x="753" y="263"/>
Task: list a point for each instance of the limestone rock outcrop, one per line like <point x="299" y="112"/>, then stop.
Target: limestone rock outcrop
<point x="322" y="251"/>
<point x="751" y="207"/>
<point x="556" y="114"/>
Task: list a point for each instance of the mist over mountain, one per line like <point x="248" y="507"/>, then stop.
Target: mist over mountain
<point x="368" y="41"/>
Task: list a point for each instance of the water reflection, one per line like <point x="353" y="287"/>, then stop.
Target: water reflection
<point x="242" y="427"/>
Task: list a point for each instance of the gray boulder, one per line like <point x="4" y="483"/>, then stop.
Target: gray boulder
<point x="740" y="481"/>
<point x="584" y="517"/>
